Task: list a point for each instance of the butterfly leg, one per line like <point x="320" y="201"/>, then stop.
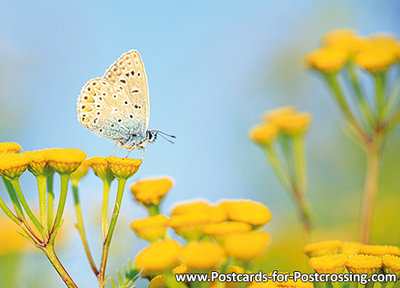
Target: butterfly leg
<point x="144" y="150"/>
<point x="115" y="148"/>
<point x="130" y="150"/>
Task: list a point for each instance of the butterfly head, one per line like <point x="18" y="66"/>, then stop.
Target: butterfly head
<point x="152" y="136"/>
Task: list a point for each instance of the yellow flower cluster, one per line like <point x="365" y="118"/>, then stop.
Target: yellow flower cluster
<point x="214" y="234"/>
<point x="337" y="257"/>
<point x="284" y="120"/>
<point x="374" y="53"/>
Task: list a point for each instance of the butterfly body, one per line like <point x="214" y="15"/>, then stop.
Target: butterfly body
<point x="116" y="106"/>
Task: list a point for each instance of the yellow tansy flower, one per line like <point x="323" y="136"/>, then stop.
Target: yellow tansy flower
<point x="263" y="134"/>
<point x="202" y="256"/>
<point x="79" y="173"/>
<point x="123" y="167"/>
<point x="9" y="147"/>
<point x="268" y="284"/>
<point x="158" y="282"/>
<point x="101" y="168"/>
<point x="275" y="115"/>
<point x="181" y="268"/>
<point x="247" y="211"/>
<point x="13" y="165"/>
<point x="246" y="246"/>
<point x="329" y="263"/>
<point x="363" y="264"/>
<point x="391" y="264"/>
<point x="65" y="161"/>
<point x="196" y="206"/>
<point x="327" y="59"/>
<point x="151" y="191"/>
<point x="296" y="123"/>
<point x="150" y="228"/>
<point x="190" y="226"/>
<point x="344" y="39"/>
<point x="221" y="229"/>
<point x="323" y="248"/>
<point x="350" y="248"/>
<point x="158" y="257"/>
<point x="38" y="162"/>
<point x="376" y="57"/>
<point x="380" y="250"/>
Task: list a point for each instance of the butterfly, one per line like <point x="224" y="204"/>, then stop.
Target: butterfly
<point x="116" y="106"/>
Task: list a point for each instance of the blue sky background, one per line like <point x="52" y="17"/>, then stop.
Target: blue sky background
<point x="213" y="67"/>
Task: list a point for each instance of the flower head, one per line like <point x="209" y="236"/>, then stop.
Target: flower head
<point x="202" y="256"/>
<point x="150" y="228"/>
<point x="263" y="134"/>
<point x="329" y="263"/>
<point x="376" y="57"/>
<point x="226" y="228"/>
<point x="158" y="282"/>
<point x="275" y="115"/>
<point x="391" y="264"/>
<point x="13" y="165"/>
<point x="344" y="39"/>
<point x="196" y="206"/>
<point x="350" y="248"/>
<point x="79" y="173"/>
<point x="151" y="191"/>
<point x="190" y="225"/>
<point x="65" y="161"/>
<point x="158" y="257"/>
<point x="9" y="147"/>
<point x="123" y="167"/>
<point x="101" y="168"/>
<point x="296" y="123"/>
<point x="246" y="246"/>
<point x="38" y="162"/>
<point x="363" y="264"/>
<point x="326" y="59"/>
<point x="323" y="248"/>
<point x="379" y="250"/>
<point x="247" y="211"/>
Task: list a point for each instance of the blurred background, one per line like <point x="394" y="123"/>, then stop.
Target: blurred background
<point x="213" y="68"/>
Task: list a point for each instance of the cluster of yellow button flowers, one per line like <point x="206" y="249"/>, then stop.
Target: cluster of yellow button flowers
<point x="281" y="135"/>
<point x="225" y="236"/>
<point x="71" y="165"/>
<point x="344" y="257"/>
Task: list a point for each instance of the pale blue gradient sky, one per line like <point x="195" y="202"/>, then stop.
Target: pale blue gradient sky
<point x="213" y="67"/>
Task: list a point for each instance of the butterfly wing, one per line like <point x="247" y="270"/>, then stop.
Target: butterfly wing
<point x="129" y="75"/>
<point x="105" y="109"/>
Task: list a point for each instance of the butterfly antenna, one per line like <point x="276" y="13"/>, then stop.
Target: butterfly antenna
<point x="165" y="135"/>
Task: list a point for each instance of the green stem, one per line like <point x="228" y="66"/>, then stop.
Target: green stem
<point x="364" y="106"/>
<point x="393" y="99"/>
<point x="24" y="203"/>
<point x="41" y="182"/>
<point x="370" y="191"/>
<point x="104" y="207"/>
<point x="113" y="222"/>
<point x="81" y="229"/>
<point x="380" y="84"/>
<point x="63" y="197"/>
<point x="300" y="162"/>
<point x="340" y="98"/>
<point x="50" y="201"/>
<point x="51" y="255"/>
<point x="14" y="198"/>
<point x="153" y="210"/>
